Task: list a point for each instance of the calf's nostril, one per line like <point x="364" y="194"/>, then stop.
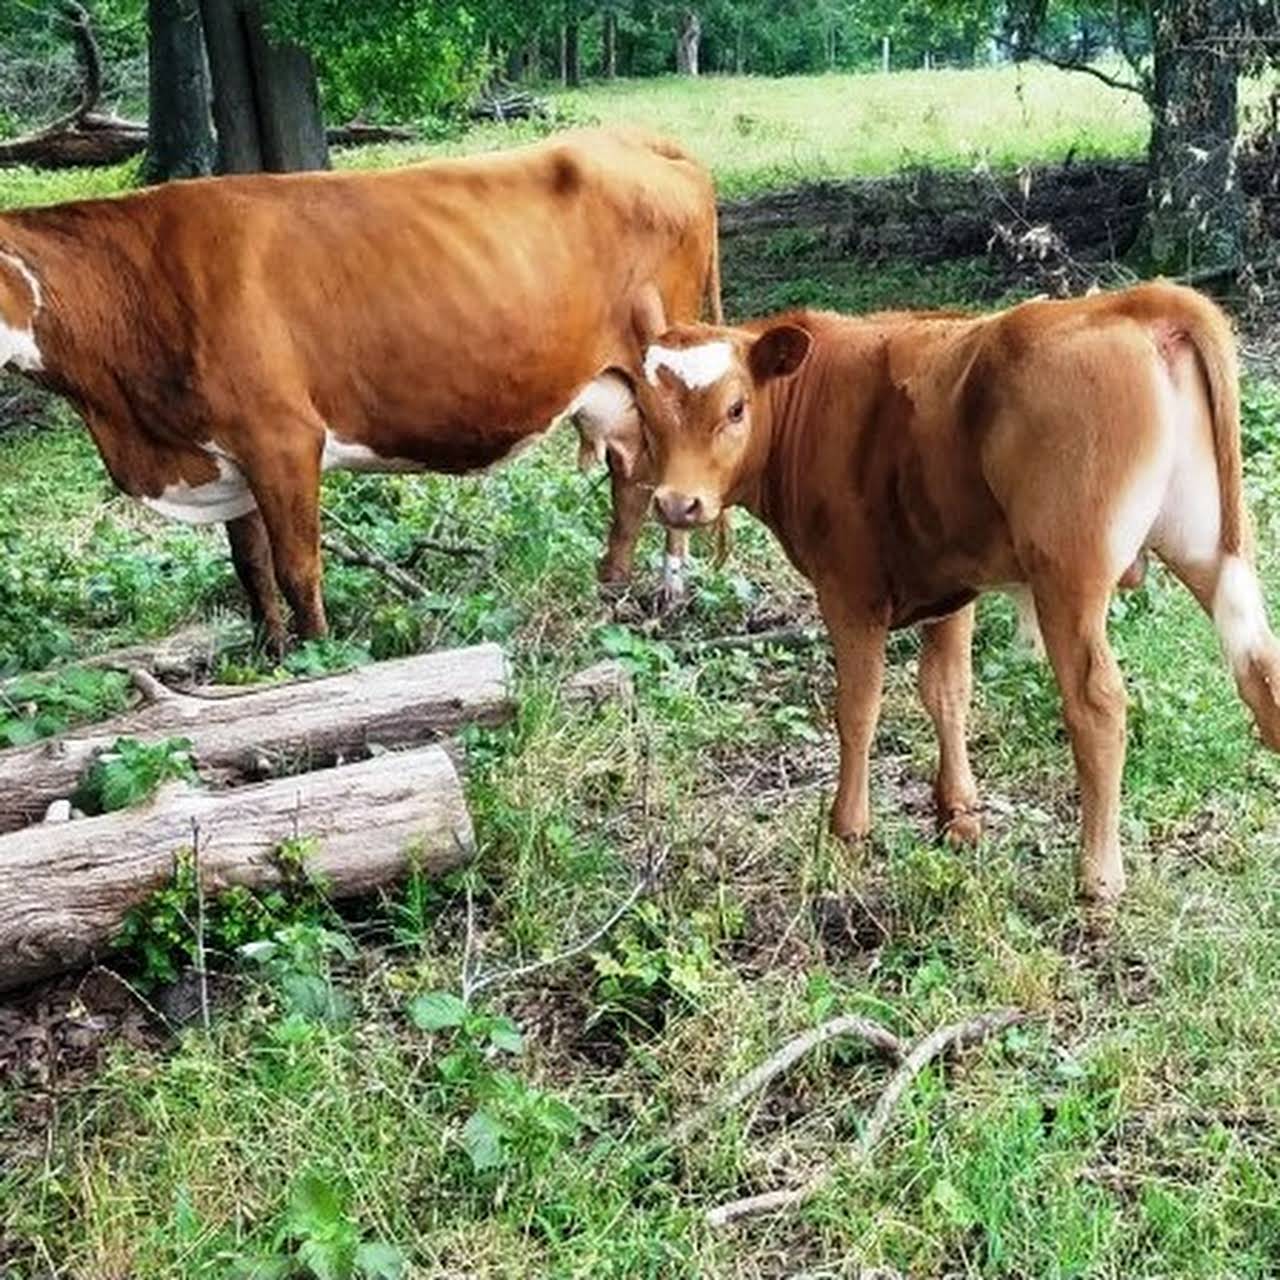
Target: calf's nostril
<point x="679" y="508"/>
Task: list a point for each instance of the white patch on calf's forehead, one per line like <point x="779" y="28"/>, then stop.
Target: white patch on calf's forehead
<point x="697" y="367"/>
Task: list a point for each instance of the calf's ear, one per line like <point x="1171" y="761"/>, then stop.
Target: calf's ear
<point x="779" y="352"/>
<point x="648" y="315"/>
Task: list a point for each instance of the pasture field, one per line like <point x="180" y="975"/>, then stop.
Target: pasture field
<point x="1127" y="1129"/>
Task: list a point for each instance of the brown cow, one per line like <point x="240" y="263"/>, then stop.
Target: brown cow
<point x="228" y="340"/>
<point x="909" y="462"/>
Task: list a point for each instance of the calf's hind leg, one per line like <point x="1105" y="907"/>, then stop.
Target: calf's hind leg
<point x="1073" y="620"/>
<point x="945" y="683"/>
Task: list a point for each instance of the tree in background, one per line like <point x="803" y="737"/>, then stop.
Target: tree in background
<point x="1184" y="58"/>
<point x="179" y="132"/>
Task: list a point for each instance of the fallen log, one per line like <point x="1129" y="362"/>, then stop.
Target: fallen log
<point x="281" y="729"/>
<point x="66" y="889"/>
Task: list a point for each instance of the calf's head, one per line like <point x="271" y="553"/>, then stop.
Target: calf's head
<point x="706" y="412"/>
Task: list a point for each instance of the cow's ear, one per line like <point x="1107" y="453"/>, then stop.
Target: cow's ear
<point x="608" y="421"/>
<point x="779" y="352"/>
<point x="648" y="315"/>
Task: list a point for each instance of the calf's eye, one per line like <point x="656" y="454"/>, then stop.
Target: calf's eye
<point x="736" y="410"/>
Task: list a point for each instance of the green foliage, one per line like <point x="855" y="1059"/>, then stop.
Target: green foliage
<point x="320" y="1240"/>
<point x="510" y="1123"/>
<point x="397" y="59"/>
<point x="297" y="960"/>
<point x="34" y="707"/>
<point x="278" y="929"/>
<point x="131" y="772"/>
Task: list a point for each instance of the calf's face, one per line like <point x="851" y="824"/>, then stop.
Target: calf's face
<point x="706" y="412"/>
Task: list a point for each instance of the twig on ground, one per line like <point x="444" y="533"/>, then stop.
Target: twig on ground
<point x="878" y="1037"/>
<point x="955" y="1035"/>
<point x="645" y="880"/>
<point x="462" y="550"/>
<point x="786" y="637"/>
<point x="364" y="556"/>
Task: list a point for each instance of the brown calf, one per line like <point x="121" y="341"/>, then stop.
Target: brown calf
<point x="230" y="339"/>
<point x="909" y="462"/>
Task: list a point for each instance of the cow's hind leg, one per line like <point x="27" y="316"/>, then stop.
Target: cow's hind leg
<point x="946" y="688"/>
<point x="286" y="484"/>
<point x="630" y="506"/>
<point x="1073" y="619"/>
<point x="251" y="555"/>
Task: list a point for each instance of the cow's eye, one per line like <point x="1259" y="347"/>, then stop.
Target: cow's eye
<point x="736" y="410"/>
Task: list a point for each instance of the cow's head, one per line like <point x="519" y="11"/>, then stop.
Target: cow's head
<point x="706" y="414"/>
<point x="20" y="300"/>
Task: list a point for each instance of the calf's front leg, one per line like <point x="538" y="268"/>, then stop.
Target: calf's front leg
<point x="945" y="683"/>
<point x="858" y="640"/>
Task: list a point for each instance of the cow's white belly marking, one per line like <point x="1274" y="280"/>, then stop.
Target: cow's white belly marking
<point x="226" y="498"/>
<point x="18" y="346"/>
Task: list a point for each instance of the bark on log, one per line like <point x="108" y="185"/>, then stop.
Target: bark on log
<point x="285" y="728"/>
<point x="66" y="889"/>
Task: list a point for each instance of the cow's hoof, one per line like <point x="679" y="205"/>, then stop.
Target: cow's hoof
<point x="961" y="827"/>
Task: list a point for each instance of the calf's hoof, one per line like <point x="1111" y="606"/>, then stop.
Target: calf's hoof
<point x="852" y="829"/>
<point x="960" y="826"/>
<point x="1101" y="887"/>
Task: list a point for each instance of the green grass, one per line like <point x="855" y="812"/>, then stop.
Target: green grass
<point x="1122" y="1132"/>
<point x="757" y="133"/>
<point x="1127" y="1130"/>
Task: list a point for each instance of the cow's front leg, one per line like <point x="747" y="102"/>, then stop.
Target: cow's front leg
<point x="1074" y="623"/>
<point x="286" y="485"/>
<point x="673" y="566"/>
<point x="630" y="506"/>
<point x="946" y="689"/>
<point x="251" y="555"/>
<point x="858" y="640"/>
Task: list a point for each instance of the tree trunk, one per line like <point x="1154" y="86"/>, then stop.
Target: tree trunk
<point x="68" y="886"/>
<point x="687" y="43"/>
<point x="610" y="58"/>
<point x="1195" y="206"/>
<point x="180" y="136"/>
<point x="235" y="110"/>
<point x="308" y="723"/>
<point x="290" y="125"/>
<point x="266" y="104"/>
<point x="572" y="69"/>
